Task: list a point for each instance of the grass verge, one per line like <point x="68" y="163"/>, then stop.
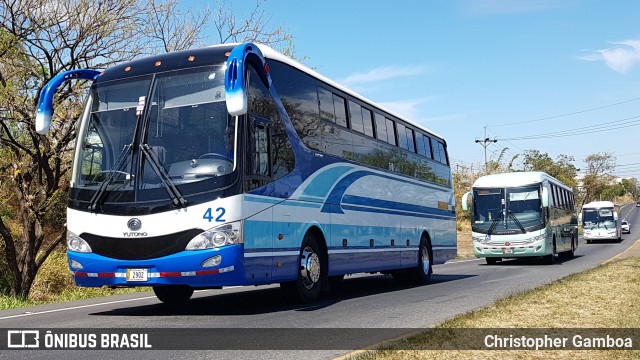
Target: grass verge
<point x="54" y="284"/>
<point x="607" y="296"/>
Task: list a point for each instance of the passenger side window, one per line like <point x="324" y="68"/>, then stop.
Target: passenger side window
<point x="327" y="111"/>
<point x="355" y="115"/>
<point x="439" y="152"/>
<point x="381" y="128"/>
<point x="391" y="132"/>
<point x="402" y="136"/>
<point x="424" y="145"/>
<point x="367" y="122"/>
<point x="341" y="110"/>
<point x="270" y="128"/>
<point x="411" y="146"/>
<point x="259" y="164"/>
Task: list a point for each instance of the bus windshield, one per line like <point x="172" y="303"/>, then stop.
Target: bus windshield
<point x="598" y="219"/>
<point x="507" y="209"/>
<point x="176" y="120"/>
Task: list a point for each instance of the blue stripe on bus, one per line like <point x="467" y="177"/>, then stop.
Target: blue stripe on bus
<point x="264" y="200"/>
<point x="302" y="204"/>
<point x="360" y="203"/>
<point x="394" y="212"/>
<point x="323" y="182"/>
<point x="338" y="192"/>
<point x="274" y="250"/>
<point x="394" y="205"/>
<point x="279" y="252"/>
<point x="312" y="199"/>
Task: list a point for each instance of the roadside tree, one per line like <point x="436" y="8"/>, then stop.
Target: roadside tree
<point x="39" y="39"/>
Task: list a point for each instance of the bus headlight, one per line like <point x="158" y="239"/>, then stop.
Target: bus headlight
<point x="538" y="238"/>
<point x="227" y="234"/>
<point x="76" y="243"/>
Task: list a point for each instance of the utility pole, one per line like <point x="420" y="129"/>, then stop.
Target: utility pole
<point x="485" y="142"/>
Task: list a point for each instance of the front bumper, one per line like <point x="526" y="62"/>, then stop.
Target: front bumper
<point x="483" y="250"/>
<point x="183" y="268"/>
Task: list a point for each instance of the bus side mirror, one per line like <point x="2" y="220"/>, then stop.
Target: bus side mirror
<point x="465" y="198"/>
<point x="45" y="101"/>
<point x="545" y="197"/>
<point x="235" y="78"/>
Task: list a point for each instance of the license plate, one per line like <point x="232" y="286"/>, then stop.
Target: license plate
<point x="136" y="274"/>
<point x="508" y="251"/>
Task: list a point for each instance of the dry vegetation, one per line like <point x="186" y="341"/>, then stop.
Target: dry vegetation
<point x="465" y="244"/>
<point x="54" y="283"/>
<point x="605" y="297"/>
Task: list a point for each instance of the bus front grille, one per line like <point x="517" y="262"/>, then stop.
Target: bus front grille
<point x="140" y="248"/>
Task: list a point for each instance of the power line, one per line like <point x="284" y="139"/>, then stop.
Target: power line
<point x="563" y="115"/>
<point x="620" y="124"/>
<point x="514" y="145"/>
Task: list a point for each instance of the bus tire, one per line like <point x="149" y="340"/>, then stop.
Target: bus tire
<point x="492" y="260"/>
<point x="173" y="294"/>
<point x="312" y="272"/>
<point x="571" y="253"/>
<point x="421" y="274"/>
<point x="551" y="258"/>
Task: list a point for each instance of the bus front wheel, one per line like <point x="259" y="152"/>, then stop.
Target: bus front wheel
<point x="174" y="294"/>
<point x="551" y="258"/>
<point x="311" y="273"/>
<point x="492" y="260"/>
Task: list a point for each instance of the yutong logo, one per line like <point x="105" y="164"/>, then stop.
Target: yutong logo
<point x="134" y="224"/>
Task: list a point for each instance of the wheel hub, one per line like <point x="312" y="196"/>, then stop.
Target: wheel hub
<point x="309" y="268"/>
<point x="425" y="260"/>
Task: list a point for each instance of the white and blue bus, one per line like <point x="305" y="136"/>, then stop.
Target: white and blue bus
<point x="522" y="214"/>
<point x="600" y="221"/>
<point x="236" y="165"/>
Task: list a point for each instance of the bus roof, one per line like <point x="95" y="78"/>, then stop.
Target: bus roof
<point x="598" y="204"/>
<point x="514" y="179"/>
<point x="204" y="55"/>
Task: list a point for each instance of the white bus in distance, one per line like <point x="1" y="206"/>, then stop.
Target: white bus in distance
<point x="600" y="221"/>
<point x="522" y="214"/>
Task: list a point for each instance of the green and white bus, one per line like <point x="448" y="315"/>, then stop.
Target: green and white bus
<point x="600" y="221"/>
<point x="522" y="214"/>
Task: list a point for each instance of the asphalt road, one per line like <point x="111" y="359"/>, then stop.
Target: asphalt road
<point x="363" y="301"/>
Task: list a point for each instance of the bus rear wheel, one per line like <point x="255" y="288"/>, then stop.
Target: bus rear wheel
<point x="571" y="253"/>
<point x="421" y="274"/>
<point x="174" y="294"/>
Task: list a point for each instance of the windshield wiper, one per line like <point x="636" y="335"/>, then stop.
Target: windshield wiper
<point x="95" y="200"/>
<point x="174" y="193"/>
<point x="494" y="223"/>
<point x="515" y="219"/>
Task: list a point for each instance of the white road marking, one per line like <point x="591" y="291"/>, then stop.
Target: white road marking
<point x="29" y="313"/>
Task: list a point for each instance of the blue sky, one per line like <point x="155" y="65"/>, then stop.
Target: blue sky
<point x="518" y="67"/>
